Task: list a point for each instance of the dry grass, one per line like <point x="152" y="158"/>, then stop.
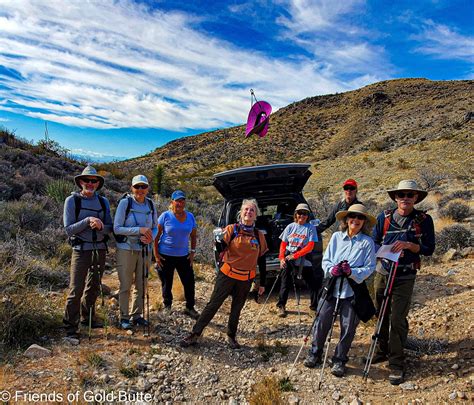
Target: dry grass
<point x="177" y="290"/>
<point x="266" y="392"/>
<point x="442" y="223"/>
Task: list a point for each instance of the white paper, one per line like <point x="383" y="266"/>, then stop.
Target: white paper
<point x="385" y="253"/>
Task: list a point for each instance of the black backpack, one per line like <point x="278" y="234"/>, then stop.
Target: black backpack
<point x="123" y="238"/>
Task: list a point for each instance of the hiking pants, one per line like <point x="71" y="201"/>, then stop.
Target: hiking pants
<point x="348" y="321"/>
<point x="310" y="276"/>
<point x="224" y="287"/>
<point x="185" y="273"/>
<point x="84" y="287"/>
<point x="394" y="331"/>
<point x="130" y="271"/>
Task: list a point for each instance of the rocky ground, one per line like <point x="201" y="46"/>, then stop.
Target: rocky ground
<point x="440" y="370"/>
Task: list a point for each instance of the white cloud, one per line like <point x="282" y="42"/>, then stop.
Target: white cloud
<point x="443" y="42"/>
<point x="114" y="64"/>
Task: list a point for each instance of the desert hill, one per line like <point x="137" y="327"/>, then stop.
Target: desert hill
<point x="406" y="123"/>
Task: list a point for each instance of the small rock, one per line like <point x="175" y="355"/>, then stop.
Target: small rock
<point x="336" y="395"/>
<point x="37" y="352"/>
<point x="293" y="400"/>
<point x="449" y="255"/>
<point x="407" y="386"/>
<point x="129" y="332"/>
<point x="451" y="272"/>
<point x="461" y="395"/>
<point x="105" y="378"/>
<point x="453" y="395"/>
<point x="455" y="366"/>
<point x="356" y="401"/>
<point x="233" y="401"/>
<point x="71" y="341"/>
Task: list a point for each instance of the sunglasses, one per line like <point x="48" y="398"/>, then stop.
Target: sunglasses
<point x="352" y="188"/>
<point x="358" y="216"/>
<point x="92" y="181"/>
<point x="140" y="186"/>
<point x="407" y="195"/>
<point x="305" y="213"/>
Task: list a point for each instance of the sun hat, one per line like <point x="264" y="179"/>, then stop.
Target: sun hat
<point x="140" y="179"/>
<point x="177" y="195"/>
<point x="258" y="119"/>
<point x="89" y="171"/>
<point x="408" y="185"/>
<point x="302" y="207"/>
<point x="357" y="209"/>
<point x="350" y="182"/>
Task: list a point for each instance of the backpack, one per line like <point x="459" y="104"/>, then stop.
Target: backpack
<point x="75" y="240"/>
<point x="221" y="251"/>
<point x="123" y="238"/>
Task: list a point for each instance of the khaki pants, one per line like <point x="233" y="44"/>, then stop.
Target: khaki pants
<point x="83" y="286"/>
<point x="130" y="270"/>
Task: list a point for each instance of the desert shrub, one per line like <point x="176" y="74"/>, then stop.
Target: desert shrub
<point x="460" y="194"/>
<point x="322" y="204"/>
<point x="430" y="178"/>
<point x="379" y="145"/>
<point x="403" y="164"/>
<point x="59" y="189"/>
<point x="456" y="210"/>
<point x="266" y="392"/>
<point x="25" y="317"/>
<point x="454" y="236"/>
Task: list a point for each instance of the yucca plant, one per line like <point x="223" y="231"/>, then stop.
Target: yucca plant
<point x="59" y="189"/>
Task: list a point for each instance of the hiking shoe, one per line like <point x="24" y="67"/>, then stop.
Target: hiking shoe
<point x="282" y="312"/>
<point x="396" y="377"/>
<point x="94" y="324"/>
<point x="125" y="324"/>
<point x="312" y="360"/>
<point x="191" y="312"/>
<point x="140" y="321"/>
<point x="73" y="334"/>
<point x="233" y="344"/>
<point x="190" y="340"/>
<point x="378" y="358"/>
<point x="338" y="369"/>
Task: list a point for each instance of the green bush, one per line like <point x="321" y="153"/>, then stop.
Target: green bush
<point x="59" y="189"/>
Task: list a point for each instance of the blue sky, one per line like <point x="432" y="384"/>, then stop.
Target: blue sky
<point x="121" y="77"/>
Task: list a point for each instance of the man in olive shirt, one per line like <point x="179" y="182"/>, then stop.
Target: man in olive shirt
<point x="350" y="198"/>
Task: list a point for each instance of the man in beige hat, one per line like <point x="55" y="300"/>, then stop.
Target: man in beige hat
<point x="410" y="232"/>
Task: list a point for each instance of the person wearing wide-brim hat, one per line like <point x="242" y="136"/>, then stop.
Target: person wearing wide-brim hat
<point x="411" y="232"/>
<point x="297" y="241"/>
<point x="349" y="259"/>
<point x="87" y="222"/>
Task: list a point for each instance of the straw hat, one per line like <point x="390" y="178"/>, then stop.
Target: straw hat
<point x="89" y="171"/>
<point x="357" y="209"/>
<point x="408" y="185"/>
<point x="302" y="207"/>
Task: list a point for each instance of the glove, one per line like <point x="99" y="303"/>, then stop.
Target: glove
<point x="218" y="234"/>
<point x="345" y="268"/>
<point x="336" y="271"/>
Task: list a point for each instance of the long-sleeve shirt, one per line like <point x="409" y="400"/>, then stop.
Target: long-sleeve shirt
<point x="140" y="216"/>
<point x="331" y="218"/>
<point x="359" y="251"/>
<point x="407" y="233"/>
<point x="80" y="227"/>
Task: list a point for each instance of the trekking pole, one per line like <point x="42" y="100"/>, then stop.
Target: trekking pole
<point x="93" y="270"/>
<point x="383" y="308"/>
<point x="328" y="340"/>
<point x="106" y="311"/>
<point x="322" y="299"/>
<point x="296" y="296"/>
<point x="147" y="296"/>
<point x="266" y="300"/>
<point x="143" y="285"/>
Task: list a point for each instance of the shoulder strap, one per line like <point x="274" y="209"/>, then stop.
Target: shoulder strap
<point x="77" y="205"/>
<point x="151" y="205"/>
<point x="417" y="220"/>
<point x="102" y="204"/>
<point x="386" y="222"/>
<point x="129" y="206"/>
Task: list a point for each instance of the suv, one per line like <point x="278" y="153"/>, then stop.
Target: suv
<point x="278" y="190"/>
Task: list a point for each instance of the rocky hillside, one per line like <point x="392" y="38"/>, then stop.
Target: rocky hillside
<point x="409" y="122"/>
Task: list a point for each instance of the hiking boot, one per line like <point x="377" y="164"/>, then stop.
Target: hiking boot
<point x="396" y="377"/>
<point x="190" y="340"/>
<point x="282" y="312"/>
<point x="73" y="334"/>
<point x="94" y="324"/>
<point x="191" y="312"/>
<point x="312" y="361"/>
<point x="125" y="324"/>
<point x="338" y="369"/>
<point x="140" y="321"/>
<point x="233" y="344"/>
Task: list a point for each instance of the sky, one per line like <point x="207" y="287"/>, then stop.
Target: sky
<point x="119" y="78"/>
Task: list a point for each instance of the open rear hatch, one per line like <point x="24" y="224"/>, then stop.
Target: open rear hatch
<point x="262" y="181"/>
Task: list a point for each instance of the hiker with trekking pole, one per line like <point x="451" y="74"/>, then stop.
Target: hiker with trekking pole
<point x="87" y="222"/>
<point x="135" y="228"/>
<point x="409" y="232"/>
<point x="350" y="259"/>
<point x="244" y="247"/>
<point x="297" y="243"/>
